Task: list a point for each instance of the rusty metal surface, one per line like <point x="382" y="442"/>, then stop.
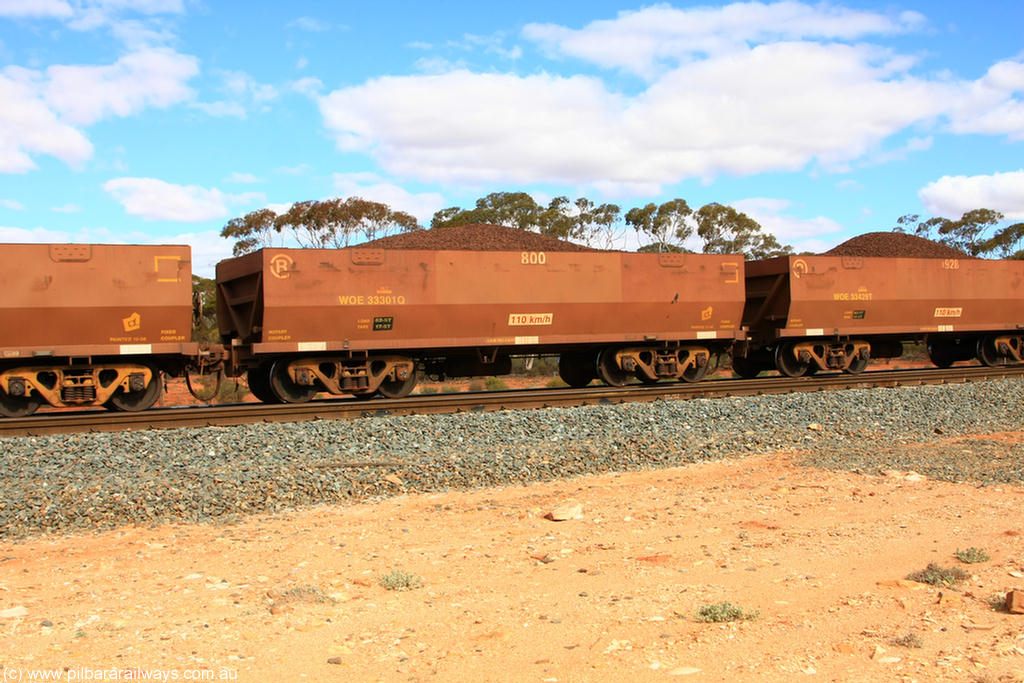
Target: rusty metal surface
<point x="94" y="299"/>
<point x="825" y="295"/>
<point x="288" y="300"/>
<point x="162" y="418"/>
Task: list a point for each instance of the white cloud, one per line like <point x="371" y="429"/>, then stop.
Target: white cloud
<point x="374" y="188"/>
<point x="237" y="177"/>
<point x="66" y="208"/>
<point x="243" y="91"/>
<point x="157" y="200"/>
<point x="43" y="110"/>
<point x="952" y="196"/>
<point x="773" y="107"/>
<point x="153" y="77"/>
<point x="309" y="24"/>
<point x="32" y="236"/>
<point x="992" y="105"/>
<point x="804" y="234"/>
<point x="308" y="86"/>
<point x="12" y="204"/>
<point x="35" y="8"/>
<point x="208" y="247"/>
<point x="28" y="126"/>
<point x="221" y="109"/>
<point x="644" y="41"/>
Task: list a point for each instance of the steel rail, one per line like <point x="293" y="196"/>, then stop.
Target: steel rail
<point x="426" y="404"/>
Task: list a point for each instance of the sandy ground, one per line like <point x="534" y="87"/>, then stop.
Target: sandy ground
<point x="509" y="595"/>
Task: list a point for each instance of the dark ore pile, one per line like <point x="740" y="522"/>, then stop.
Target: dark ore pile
<point x="81" y="482"/>
<point x="476" y="237"/>
<point x="894" y="244"/>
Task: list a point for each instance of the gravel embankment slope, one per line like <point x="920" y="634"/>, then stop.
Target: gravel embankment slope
<point x="75" y="482"/>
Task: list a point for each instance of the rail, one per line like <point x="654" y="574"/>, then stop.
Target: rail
<point x="345" y="408"/>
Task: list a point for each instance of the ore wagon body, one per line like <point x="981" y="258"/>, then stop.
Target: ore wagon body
<point x="806" y="313"/>
<point x="361" y="321"/>
<point x="92" y="324"/>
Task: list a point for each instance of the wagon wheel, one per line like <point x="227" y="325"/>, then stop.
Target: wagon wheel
<point x="282" y="386"/>
<point x="787" y="363"/>
<point x="577" y="368"/>
<point x="857" y="366"/>
<point x="18" y="406"/>
<point x="747" y="368"/>
<point x="399" y="388"/>
<point x="988" y="354"/>
<point x="941" y="353"/>
<point x="134" y="401"/>
<point x="696" y="373"/>
<point x="258" y="379"/>
<point x="609" y="371"/>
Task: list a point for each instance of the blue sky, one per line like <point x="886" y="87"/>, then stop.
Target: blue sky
<point x="160" y="120"/>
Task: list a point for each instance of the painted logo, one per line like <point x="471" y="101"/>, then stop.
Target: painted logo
<point x="281" y="266"/>
<point x="132" y="322"/>
<point x="799" y="268"/>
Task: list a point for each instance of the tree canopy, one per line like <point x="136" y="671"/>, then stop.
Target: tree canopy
<point x="670" y="226"/>
<point x="977" y="233"/>
<point x="317" y="224"/>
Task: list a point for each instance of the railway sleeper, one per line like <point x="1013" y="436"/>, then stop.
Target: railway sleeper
<point x="390" y="375"/>
<point x="65" y="386"/>
<point x="651" y="364"/>
<point x="849" y="356"/>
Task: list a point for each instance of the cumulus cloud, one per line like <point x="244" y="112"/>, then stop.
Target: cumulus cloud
<point x="742" y="89"/>
<point x="952" y="196"/>
<point x="374" y="188"/>
<point x="993" y="105"/>
<point x="154" y="77"/>
<point x="157" y="200"/>
<point x="643" y="41"/>
<point x="43" y="110"/>
<point x="773" y="107"/>
<point x="242" y="91"/>
<point x="35" y="8"/>
<point x="804" y="234"/>
<point x="28" y="126"/>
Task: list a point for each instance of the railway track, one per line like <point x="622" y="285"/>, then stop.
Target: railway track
<point x="336" y="409"/>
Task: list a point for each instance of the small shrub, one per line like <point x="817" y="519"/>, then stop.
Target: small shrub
<point x="449" y="389"/>
<point x="997" y="601"/>
<point x="400" y="580"/>
<point x="495" y="384"/>
<point x="724" y="611"/>
<point x="972" y="555"/>
<point x="935" y="575"/>
<point x="304" y="593"/>
<point x="556" y="383"/>
<point x="477" y="385"/>
<point x="909" y="639"/>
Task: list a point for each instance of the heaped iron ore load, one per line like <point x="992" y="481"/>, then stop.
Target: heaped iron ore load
<point x="894" y="244"/>
<point x="475" y="237"/>
<point x="92" y="324"/>
<point x="362" y="320"/>
<point x="809" y="313"/>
